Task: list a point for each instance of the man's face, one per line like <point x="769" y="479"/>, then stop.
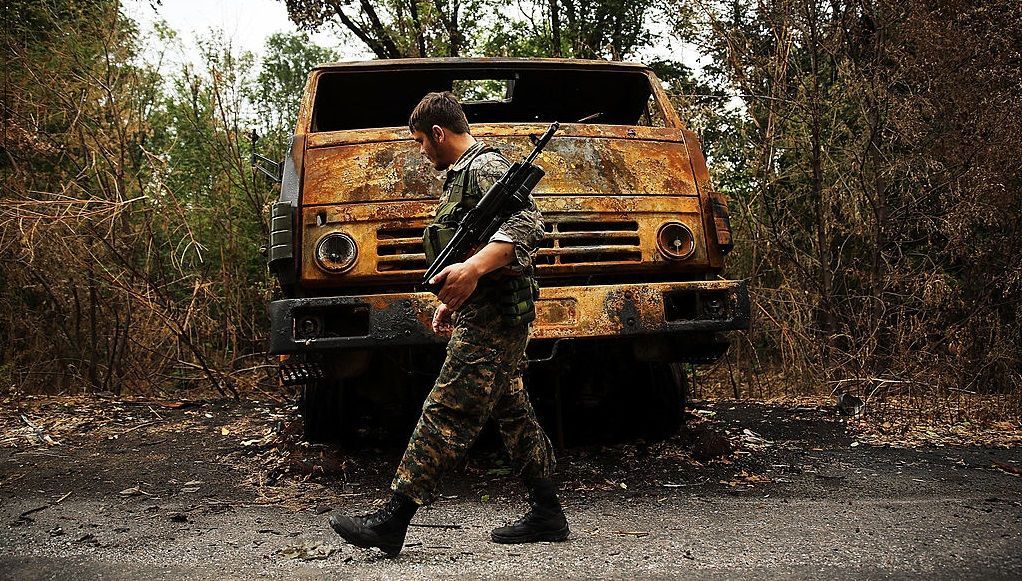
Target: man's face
<point x="431" y="147"/>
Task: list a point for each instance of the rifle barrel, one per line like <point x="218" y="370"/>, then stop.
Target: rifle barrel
<point x="542" y="142"/>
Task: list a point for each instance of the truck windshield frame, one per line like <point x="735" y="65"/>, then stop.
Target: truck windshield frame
<point x="372" y="99"/>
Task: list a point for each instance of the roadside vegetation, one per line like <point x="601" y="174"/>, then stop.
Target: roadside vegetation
<point x="868" y="149"/>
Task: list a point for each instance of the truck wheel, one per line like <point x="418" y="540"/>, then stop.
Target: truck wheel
<point x="667" y="397"/>
<point x="322" y="409"/>
<point x="614" y="396"/>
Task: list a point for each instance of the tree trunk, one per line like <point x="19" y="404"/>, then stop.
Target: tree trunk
<point x="555" y="28"/>
<point x="816" y="185"/>
<point x="420" y="39"/>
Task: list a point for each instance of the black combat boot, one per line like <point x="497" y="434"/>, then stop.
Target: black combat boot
<point x="544" y="522"/>
<point x="384" y="529"/>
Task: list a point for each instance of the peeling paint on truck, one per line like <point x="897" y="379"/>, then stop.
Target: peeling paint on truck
<point x="608" y="194"/>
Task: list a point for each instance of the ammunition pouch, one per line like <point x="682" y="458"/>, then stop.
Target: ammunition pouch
<point x="517" y="299"/>
<point x="462" y="196"/>
<point x="434" y="238"/>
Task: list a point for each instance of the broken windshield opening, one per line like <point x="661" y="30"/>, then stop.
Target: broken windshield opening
<point x="372" y="99"/>
<point x="483" y="90"/>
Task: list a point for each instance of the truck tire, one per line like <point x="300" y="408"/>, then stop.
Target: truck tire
<point x="610" y="396"/>
<point x="322" y="409"/>
<point x="665" y="400"/>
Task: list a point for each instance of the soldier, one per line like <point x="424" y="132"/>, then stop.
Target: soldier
<point x="486" y="304"/>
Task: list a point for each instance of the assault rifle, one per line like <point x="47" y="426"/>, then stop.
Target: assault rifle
<point x="508" y="195"/>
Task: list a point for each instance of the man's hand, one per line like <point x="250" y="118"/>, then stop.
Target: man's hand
<point x="442" y="324"/>
<point x="459" y="281"/>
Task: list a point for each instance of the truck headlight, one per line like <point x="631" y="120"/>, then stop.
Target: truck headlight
<point x="676" y="241"/>
<point x="336" y="252"/>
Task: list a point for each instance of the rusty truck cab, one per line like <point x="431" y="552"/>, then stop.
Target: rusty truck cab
<point x="636" y="235"/>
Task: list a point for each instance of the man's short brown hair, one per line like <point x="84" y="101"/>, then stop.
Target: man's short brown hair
<point x="441" y="109"/>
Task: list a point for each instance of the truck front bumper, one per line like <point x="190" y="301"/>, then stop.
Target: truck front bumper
<point x="577" y="312"/>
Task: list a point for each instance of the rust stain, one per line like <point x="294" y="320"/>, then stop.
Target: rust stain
<point x="304" y="124"/>
<point x="663" y="102"/>
<point x="607" y="191"/>
<point x="598" y="166"/>
<point x="562" y="311"/>
<point x="557" y="312"/>
<point x="367" y="173"/>
<point x="486" y="130"/>
<point x="388" y="235"/>
<point x="702" y="177"/>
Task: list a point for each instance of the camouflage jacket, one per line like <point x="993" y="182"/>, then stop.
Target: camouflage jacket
<point x="523" y="229"/>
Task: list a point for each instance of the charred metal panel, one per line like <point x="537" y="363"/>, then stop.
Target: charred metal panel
<point x="394" y="171"/>
<point x="664" y="102"/>
<point x="398" y="319"/>
<point x="280" y="257"/>
<point x="702" y="176"/>
<point x="304" y="124"/>
<point x="586" y="234"/>
<point x="561" y="312"/>
<point x="489" y="130"/>
<point x="607" y="192"/>
<point x="613" y="167"/>
<point x="378" y="172"/>
<point x="290" y="183"/>
<point x="418" y="64"/>
<point x="380" y="191"/>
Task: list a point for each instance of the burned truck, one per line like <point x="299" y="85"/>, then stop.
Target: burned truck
<point x="629" y="270"/>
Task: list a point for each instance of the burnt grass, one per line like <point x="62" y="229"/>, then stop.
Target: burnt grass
<point x="237" y="448"/>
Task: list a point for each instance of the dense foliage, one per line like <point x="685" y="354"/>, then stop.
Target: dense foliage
<point x="131" y="222"/>
<point x="868" y="149"/>
<point x="875" y="176"/>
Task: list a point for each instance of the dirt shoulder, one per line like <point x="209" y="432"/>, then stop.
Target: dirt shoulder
<point x="103" y="489"/>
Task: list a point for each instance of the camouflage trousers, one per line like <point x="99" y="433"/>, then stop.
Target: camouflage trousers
<point x="480" y="379"/>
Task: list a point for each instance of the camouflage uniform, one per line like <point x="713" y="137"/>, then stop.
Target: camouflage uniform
<point x="482" y="375"/>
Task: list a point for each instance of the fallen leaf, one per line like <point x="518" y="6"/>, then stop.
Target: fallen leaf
<point x="173" y="404"/>
<point x="308" y="551"/>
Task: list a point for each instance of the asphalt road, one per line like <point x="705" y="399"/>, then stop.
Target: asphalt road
<point x="214" y="491"/>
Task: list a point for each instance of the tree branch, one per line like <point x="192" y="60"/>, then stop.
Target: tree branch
<point x="358" y="31"/>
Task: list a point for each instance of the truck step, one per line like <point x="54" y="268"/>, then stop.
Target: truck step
<point x="295" y="373"/>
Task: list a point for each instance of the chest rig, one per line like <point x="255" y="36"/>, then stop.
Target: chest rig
<point x="515" y="295"/>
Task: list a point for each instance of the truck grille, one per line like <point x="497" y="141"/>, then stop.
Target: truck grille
<point x="399" y="250"/>
<point x="566" y="242"/>
<point x="580" y="242"/>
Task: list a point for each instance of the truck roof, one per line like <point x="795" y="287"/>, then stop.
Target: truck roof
<point x="481" y="62"/>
